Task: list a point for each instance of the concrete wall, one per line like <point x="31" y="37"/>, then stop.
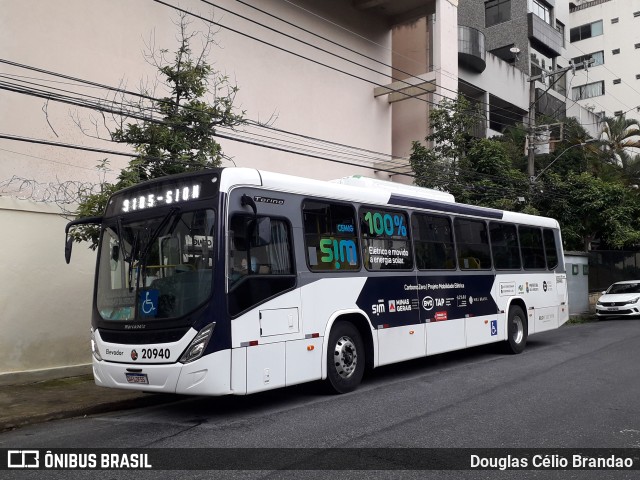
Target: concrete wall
<point x="471" y="13"/>
<point x="104" y="42"/>
<point x="502" y="80"/>
<point x="45" y="304"/>
<point x="577" y="265"/>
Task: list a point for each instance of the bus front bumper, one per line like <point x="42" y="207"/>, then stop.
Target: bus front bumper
<point x="208" y="375"/>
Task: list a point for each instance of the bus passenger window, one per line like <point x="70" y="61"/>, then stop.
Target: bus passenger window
<point x="504" y="243"/>
<point x="473" y="244"/>
<point x="330" y="237"/>
<point x="550" y="248"/>
<point x="433" y="241"/>
<point x="385" y="239"/>
<point x="258" y="269"/>
<point x="532" y="248"/>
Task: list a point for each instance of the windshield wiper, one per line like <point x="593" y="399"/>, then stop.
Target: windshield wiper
<point x="142" y="264"/>
<point x="133" y="252"/>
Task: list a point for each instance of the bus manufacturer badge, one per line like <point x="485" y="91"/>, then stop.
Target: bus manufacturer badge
<point x="272" y="201"/>
<point x="134" y="355"/>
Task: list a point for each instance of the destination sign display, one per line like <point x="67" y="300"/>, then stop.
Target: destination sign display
<point x="167" y="197"/>
<point x="164" y="193"/>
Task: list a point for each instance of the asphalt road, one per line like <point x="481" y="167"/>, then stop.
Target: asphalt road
<point x="576" y="387"/>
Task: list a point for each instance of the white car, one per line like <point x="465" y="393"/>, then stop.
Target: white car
<point x="622" y="299"/>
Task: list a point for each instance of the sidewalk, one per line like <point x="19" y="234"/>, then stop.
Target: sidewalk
<point x="42" y="401"/>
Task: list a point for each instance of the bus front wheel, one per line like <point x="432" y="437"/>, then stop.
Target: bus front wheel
<point x="517" y="330"/>
<point x="345" y="358"/>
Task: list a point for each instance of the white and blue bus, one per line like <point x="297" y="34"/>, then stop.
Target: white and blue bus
<point x="235" y="281"/>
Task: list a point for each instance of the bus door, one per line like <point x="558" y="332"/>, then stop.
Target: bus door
<point x="263" y="303"/>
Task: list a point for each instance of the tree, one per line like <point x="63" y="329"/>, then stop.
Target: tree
<point x="439" y="166"/>
<point x="590" y="208"/>
<point x="178" y="136"/>
<point x="475" y="171"/>
<point x="492" y="181"/>
<point x="618" y="135"/>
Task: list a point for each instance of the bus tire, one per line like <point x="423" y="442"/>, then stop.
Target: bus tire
<point x="345" y="358"/>
<point x="517" y="330"/>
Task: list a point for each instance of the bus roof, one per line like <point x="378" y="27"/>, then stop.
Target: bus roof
<point x="372" y="191"/>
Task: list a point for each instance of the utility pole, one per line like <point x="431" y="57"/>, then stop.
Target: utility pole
<point x="532" y="110"/>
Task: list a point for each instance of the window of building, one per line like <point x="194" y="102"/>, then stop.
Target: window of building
<point x="615" y="20"/>
<point x="617" y="81"/>
<point x="539" y="62"/>
<point x="330" y="236"/>
<point x="615" y="51"/>
<point x="496" y="11"/>
<point x="597" y="57"/>
<point x="541" y="10"/>
<point x="560" y="28"/>
<point x="473" y="244"/>
<point x="585" y="31"/>
<point x="560" y="84"/>
<point x="433" y="241"/>
<point x="589" y="90"/>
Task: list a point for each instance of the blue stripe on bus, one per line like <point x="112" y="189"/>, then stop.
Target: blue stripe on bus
<point x="401" y="200"/>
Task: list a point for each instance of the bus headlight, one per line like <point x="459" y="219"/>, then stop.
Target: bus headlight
<point x="197" y="346"/>
<point x="94" y="347"/>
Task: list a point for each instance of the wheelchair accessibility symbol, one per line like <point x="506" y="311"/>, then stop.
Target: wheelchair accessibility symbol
<point x="494" y="328"/>
<point x="148" y="302"/>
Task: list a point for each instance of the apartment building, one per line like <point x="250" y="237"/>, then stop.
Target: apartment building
<point x="607" y="33"/>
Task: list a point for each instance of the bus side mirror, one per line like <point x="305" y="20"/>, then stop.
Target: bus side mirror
<point x="67" y="249"/>
<point x="68" y="242"/>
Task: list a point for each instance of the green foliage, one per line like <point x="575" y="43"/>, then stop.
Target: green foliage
<point x="475" y="171"/>
<point x="492" y="181"/>
<point x="588" y="207"/>
<point x="179" y="135"/>
<point x="439" y="166"/>
<point x="591" y="189"/>
<point x="619" y="134"/>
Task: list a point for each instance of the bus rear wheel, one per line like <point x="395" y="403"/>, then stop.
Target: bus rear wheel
<point x="345" y="358"/>
<point x="517" y="330"/>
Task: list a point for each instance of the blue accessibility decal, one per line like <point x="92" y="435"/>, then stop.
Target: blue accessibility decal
<point x="148" y="302"/>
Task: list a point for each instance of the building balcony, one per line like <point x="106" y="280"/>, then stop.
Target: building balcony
<point x="544" y="37"/>
<point x="396" y="11"/>
<point x="471" y="52"/>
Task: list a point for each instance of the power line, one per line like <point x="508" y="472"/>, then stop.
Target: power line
<point x="358" y="77"/>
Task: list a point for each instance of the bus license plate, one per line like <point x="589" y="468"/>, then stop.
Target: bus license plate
<point x="139" y="378"/>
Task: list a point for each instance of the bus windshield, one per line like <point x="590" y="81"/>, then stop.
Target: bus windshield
<point x="156" y="268"/>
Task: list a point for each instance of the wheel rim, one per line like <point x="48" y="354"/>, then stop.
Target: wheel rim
<point x="518" y="329"/>
<point x="345" y="357"/>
